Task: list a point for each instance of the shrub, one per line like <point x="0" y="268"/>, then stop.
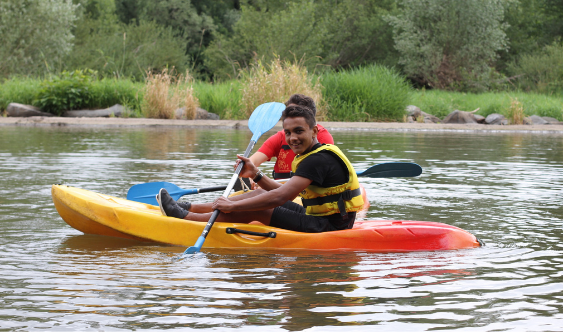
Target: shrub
<point x="103" y="93"/>
<point x="277" y="82"/>
<point x="366" y="94"/>
<point x="540" y="71"/>
<point x="68" y="91"/>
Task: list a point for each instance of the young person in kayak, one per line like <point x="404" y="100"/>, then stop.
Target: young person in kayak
<point x="276" y="146"/>
<point x="323" y="177"/>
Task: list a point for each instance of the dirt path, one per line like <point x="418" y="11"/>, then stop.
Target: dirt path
<point x="371" y="126"/>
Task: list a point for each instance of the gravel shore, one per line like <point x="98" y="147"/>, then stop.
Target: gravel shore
<point x="370" y="126"/>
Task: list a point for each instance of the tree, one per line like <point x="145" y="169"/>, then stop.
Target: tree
<point x="343" y="33"/>
<point x="36" y="35"/>
<point x="553" y="9"/>
<point x="186" y="23"/>
<point x="449" y="43"/>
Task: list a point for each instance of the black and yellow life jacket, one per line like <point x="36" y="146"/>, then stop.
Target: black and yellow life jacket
<point x="342" y="199"/>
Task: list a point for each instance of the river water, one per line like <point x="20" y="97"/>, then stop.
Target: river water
<point x="506" y="188"/>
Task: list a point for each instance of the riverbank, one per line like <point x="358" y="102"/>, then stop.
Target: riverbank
<point x="235" y="124"/>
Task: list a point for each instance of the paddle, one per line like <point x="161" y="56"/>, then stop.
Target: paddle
<point x="146" y="192"/>
<point x="262" y="119"/>
<point x="392" y="170"/>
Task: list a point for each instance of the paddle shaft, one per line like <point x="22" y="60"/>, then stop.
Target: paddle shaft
<point x="234" y="178"/>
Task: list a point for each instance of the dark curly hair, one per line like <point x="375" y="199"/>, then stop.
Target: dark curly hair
<point x="297" y="111"/>
<point x="302" y="100"/>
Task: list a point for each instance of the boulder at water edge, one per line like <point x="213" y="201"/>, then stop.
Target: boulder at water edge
<point x="413" y="113"/>
<point x="551" y="120"/>
<point x="538" y="120"/>
<point x="496" y="119"/>
<point x="201" y="114"/>
<point x="458" y="116"/>
<point x="115" y="110"/>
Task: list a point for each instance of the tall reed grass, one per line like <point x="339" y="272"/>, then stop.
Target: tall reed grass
<point x="515" y="113"/>
<point x="277" y="82"/>
<point x="372" y="93"/>
<point x="164" y="93"/>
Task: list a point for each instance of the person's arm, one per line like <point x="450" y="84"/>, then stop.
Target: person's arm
<point x="258" y="158"/>
<point x="269" y="149"/>
<point x="250" y="170"/>
<point x="267" y="200"/>
<point x="275" y="195"/>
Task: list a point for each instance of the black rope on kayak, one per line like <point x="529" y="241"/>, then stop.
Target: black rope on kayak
<point x="231" y="230"/>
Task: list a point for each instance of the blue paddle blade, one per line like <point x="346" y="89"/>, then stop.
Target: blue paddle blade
<point x="264" y="118"/>
<point x="196" y="247"/>
<point x="391" y="170"/>
<point x="146" y="192"/>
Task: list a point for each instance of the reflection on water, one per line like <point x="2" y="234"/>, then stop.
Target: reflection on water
<point x="505" y="188"/>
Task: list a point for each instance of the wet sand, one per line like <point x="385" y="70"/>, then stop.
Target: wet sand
<point x="243" y="124"/>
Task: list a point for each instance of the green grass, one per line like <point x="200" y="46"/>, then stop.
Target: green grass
<point x="441" y="103"/>
<point x="352" y="97"/>
<point x="369" y="93"/>
<point x="223" y="99"/>
<point x="18" y="90"/>
<point x="110" y="91"/>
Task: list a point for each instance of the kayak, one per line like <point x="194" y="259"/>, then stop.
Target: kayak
<point x="94" y="213"/>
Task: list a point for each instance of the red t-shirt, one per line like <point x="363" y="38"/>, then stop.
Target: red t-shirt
<point x="276" y="146"/>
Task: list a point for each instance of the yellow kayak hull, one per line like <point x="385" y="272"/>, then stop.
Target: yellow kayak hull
<point x="94" y="213"/>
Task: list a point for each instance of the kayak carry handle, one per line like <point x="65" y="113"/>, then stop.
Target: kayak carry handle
<point x="231" y="230"/>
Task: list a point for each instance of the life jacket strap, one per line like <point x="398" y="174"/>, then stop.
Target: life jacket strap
<point x="339" y="198"/>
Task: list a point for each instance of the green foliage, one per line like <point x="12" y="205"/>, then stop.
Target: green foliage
<point x="442" y="103"/>
<point x="187" y="24"/>
<point x="117" y="50"/>
<point x="35" y="35"/>
<point x="553" y="23"/>
<point x="449" y="44"/>
<point x="80" y="89"/>
<point x="525" y="31"/>
<point x="331" y="33"/>
<point x="540" y="71"/>
<point x="68" y="91"/>
<point x="192" y="23"/>
<point x="366" y="94"/>
<point x="223" y="98"/>
<point x="129" y="11"/>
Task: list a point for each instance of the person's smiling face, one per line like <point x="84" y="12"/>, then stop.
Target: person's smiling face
<point x="298" y="135"/>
